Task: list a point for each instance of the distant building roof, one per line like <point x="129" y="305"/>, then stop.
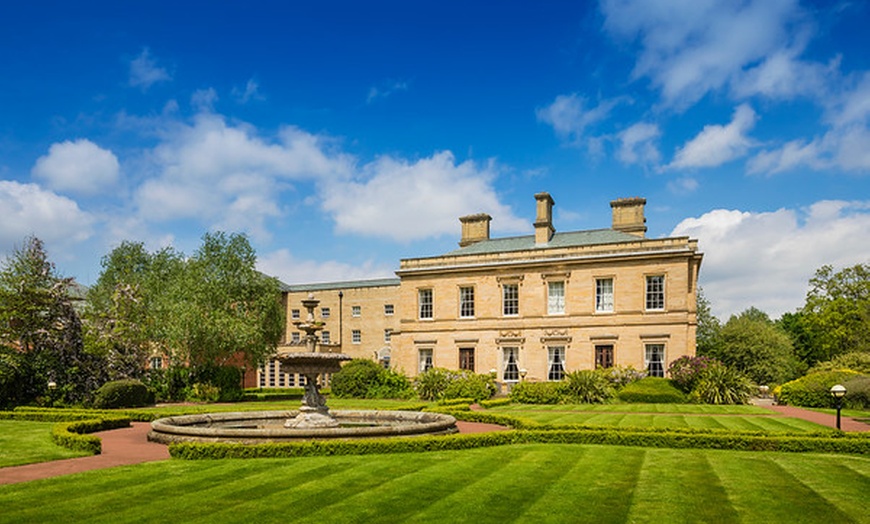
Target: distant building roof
<point x="323" y="286"/>
<point x="567" y="239"/>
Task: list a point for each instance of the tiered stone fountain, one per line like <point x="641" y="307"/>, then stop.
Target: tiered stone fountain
<point x="312" y="420"/>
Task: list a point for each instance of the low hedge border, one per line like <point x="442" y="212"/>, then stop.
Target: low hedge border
<point x="72" y="429"/>
<point x="486" y="404"/>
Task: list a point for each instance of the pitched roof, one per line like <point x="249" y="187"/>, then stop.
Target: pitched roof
<point x="567" y="239"/>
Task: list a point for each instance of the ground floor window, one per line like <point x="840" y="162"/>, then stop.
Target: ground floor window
<point x="425" y="359"/>
<point x="156" y="362"/>
<point x="654" y="360"/>
<point x="466" y="359"/>
<point x="511" y="366"/>
<point x="556" y="363"/>
<point x="603" y="356"/>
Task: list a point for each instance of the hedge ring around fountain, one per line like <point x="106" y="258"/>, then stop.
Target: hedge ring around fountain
<point x="312" y="420"/>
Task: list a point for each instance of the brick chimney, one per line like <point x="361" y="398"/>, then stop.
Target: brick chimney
<point x="475" y="228"/>
<point x="628" y="216"/>
<point x="544" y="229"/>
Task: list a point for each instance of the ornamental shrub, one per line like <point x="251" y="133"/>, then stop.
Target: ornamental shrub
<point x="440" y="383"/>
<point x="686" y="371"/>
<point x="856" y="361"/>
<point x="201" y="392"/>
<point x="813" y="390"/>
<point x="653" y="390"/>
<point x="720" y="384"/>
<point x="587" y="387"/>
<point x="538" y="392"/>
<point x="857" y="392"/>
<point x="363" y="378"/>
<point x="621" y="376"/>
<point x="127" y="393"/>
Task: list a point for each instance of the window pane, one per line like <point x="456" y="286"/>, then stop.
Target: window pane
<point x="466" y="359"/>
<point x="655" y="360"/>
<point x="356" y="336"/>
<point x="555" y="298"/>
<point x="556" y="363"/>
<point x="466" y="302"/>
<point x="511" y="366"/>
<point x="603" y="357"/>
<point x="324" y="337"/>
<point x="655" y="292"/>
<point x="604" y="294"/>
<point x="425" y="359"/>
<point x="389" y="309"/>
<point x="424" y="299"/>
<point x="355" y="311"/>
<point x="324" y="312"/>
<point x="511" y="299"/>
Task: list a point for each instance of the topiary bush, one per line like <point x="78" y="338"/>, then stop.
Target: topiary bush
<point x="127" y="393"/>
<point x="720" y="384"/>
<point x="538" y="392"/>
<point x="813" y="390"/>
<point x="587" y="386"/>
<point x="653" y="390"/>
<point x="686" y="371"/>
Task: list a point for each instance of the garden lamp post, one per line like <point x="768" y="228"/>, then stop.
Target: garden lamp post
<point x="52" y="387"/>
<point x="838" y="392"/>
<point x="523" y="373"/>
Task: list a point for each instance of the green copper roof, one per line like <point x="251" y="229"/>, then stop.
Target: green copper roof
<point x="568" y="239"/>
<point x="323" y="286"/>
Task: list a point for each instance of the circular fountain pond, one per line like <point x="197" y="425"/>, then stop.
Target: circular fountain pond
<point x="270" y="426"/>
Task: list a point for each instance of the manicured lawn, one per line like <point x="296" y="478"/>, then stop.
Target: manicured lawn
<point x="528" y="483"/>
<point x="747" y="418"/>
<point x="25" y="442"/>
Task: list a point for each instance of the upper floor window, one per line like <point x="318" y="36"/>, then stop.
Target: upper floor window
<point x="324" y="312"/>
<point x="604" y="294"/>
<point x="424" y="302"/>
<point x="356" y="336"/>
<point x="355" y="311"/>
<point x="466" y="302"/>
<point x="389" y="309"/>
<point x="655" y="292"/>
<point x="510" y="299"/>
<point x="555" y="298"/>
<point x="294" y="313"/>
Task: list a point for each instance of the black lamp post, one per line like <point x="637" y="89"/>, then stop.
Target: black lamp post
<point x="838" y="392"/>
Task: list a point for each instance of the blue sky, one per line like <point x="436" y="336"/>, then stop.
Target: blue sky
<point x="344" y="136"/>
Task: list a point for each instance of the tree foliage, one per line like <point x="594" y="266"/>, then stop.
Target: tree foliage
<point x="707" y="332"/>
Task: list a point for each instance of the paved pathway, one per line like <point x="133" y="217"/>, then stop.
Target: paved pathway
<point x="130" y="446"/>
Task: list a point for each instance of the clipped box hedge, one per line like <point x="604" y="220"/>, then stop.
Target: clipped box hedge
<point x="73" y="427"/>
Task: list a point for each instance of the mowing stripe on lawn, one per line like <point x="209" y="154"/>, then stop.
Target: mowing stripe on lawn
<point x="838" y="483"/>
<point x="762" y="491"/>
<point x="598" y="488"/>
<point x="680" y="487"/>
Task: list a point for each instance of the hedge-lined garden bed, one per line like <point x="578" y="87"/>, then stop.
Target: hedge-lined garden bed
<point x="73" y="428"/>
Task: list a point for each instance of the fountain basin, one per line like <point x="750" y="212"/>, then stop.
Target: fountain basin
<point x="252" y="427"/>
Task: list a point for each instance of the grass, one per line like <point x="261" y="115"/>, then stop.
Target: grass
<point x="25" y="442"/>
<point x="747" y="418"/>
<point x="529" y="483"/>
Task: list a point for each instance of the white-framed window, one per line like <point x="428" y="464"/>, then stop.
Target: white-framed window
<point x="389" y="310"/>
<point x="296" y="337"/>
<point x="510" y="300"/>
<point x="324" y="312"/>
<point x="356" y="336"/>
<point x="324" y="337"/>
<point x="294" y="313"/>
<point x="511" y="371"/>
<point x="556" y="297"/>
<point x="156" y="362"/>
<point x="425" y="359"/>
<point x="424" y="303"/>
<point x="355" y="311"/>
<point x="388" y="335"/>
<point x="466" y="302"/>
<point x="604" y="295"/>
<point x="654" y="360"/>
<point x="555" y="362"/>
<point x="466" y="359"/>
<point x="655" y="292"/>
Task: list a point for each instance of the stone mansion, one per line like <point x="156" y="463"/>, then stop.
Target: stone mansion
<point x="531" y="307"/>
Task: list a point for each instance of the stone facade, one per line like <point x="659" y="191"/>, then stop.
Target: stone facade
<point x="536" y="306"/>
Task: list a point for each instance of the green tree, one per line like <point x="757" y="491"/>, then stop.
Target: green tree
<point x="41" y="333"/>
<point x="836" y="316"/>
<point x="707" y="332"/>
<point x="753" y="344"/>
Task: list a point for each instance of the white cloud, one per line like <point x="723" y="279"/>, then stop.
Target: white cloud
<point x="716" y="144"/>
<point x="78" y="167"/>
<point x="249" y="93"/>
<point x="144" y="71"/>
<point x="689" y="48"/>
<point x="289" y="269"/>
<point x="406" y="201"/>
<point x="385" y="90"/>
<point x="570" y="117"/>
<point x="782" y="75"/>
<point x="227" y="176"/>
<point x="28" y="209"/>
<point x="638" y="144"/>
<point x="203" y="100"/>
<point x="766" y="259"/>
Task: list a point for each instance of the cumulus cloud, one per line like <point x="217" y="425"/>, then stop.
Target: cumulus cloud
<point x="716" y="144"/>
<point x="77" y="167"/>
<point x="766" y="259"/>
<point x="27" y="209"/>
<point x="230" y="177"/>
<point x="688" y="49"/>
<point x="144" y="71"/>
<point x="405" y="201"/>
<point x="638" y="144"/>
<point x="291" y="269"/>
<point x="570" y="116"/>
